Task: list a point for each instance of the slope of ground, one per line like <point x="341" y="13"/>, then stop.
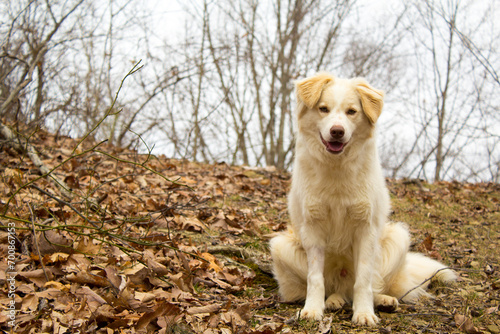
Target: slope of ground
<point x="148" y="244"/>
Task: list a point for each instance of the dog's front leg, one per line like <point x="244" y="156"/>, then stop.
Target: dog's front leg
<point x="315" y="300"/>
<point x="365" y="255"/>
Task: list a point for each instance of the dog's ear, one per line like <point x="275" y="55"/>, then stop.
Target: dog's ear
<point x="309" y="90"/>
<point x="372" y="100"/>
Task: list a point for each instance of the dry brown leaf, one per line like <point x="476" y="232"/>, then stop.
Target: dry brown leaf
<point x="65" y="302"/>
<point x="233" y="319"/>
<point x="158" y="268"/>
<point x="52" y="242"/>
<point x="83" y="277"/>
<point x="57" y="285"/>
<point x="91" y="299"/>
<point x="325" y="326"/>
<point x="51" y="293"/>
<point x="37" y="276"/>
<point x="147" y="317"/>
<point x="88" y="246"/>
<point x="137" y="300"/>
<point x="211" y="308"/>
<point x="491" y="310"/>
<point x="182" y="281"/>
<point x="30" y="303"/>
<point x="55" y="258"/>
<point x="244" y="311"/>
<point x="222" y="225"/>
<point x="91" y="295"/>
<point x="137" y="274"/>
<point x="107" y="311"/>
<point x="171" y="314"/>
<point x="144" y="297"/>
<point x="465" y="324"/>
<point x="212" y="260"/>
<point x="76" y="263"/>
<point x="116" y="280"/>
<point x="221" y="283"/>
<point x="180" y="295"/>
<point x="191" y="224"/>
<point x="427" y="243"/>
<point x="233" y="279"/>
<point x="72" y="181"/>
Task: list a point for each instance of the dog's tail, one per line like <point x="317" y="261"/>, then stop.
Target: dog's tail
<point x="416" y="275"/>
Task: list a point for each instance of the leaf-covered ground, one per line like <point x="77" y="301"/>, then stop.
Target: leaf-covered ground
<point x="154" y="245"/>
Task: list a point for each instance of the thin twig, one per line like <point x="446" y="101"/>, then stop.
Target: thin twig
<point x="47" y="174"/>
<point x="425" y="281"/>
<point x="28" y="149"/>
<point x="99" y="231"/>
<point x="143" y="166"/>
<point x="426" y="314"/>
<point x="134" y="69"/>
<point x="35" y="239"/>
<point x="60" y="201"/>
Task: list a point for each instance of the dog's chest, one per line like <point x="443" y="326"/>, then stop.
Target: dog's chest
<point x="334" y="221"/>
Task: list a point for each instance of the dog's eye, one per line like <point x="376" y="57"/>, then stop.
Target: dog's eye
<point x="323" y="109"/>
<point x="351" y="112"/>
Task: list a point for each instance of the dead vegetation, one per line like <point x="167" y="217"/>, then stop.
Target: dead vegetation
<point x="148" y="244"/>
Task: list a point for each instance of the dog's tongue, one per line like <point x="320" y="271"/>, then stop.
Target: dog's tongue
<point x="335" y="146"/>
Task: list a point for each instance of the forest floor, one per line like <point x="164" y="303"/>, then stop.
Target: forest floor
<point x="146" y="244"/>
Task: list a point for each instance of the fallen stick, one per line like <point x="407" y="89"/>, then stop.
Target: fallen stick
<point x="30" y="151"/>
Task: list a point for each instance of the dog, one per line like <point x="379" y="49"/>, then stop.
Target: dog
<point x="340" y="245"/>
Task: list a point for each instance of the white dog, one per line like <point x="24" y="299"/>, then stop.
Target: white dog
<point x="340" y="244"/>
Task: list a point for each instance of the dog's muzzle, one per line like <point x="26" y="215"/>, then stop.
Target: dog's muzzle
<point x="334" y="147"/>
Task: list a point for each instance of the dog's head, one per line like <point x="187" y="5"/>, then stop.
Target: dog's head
<point x="337" y="111"/>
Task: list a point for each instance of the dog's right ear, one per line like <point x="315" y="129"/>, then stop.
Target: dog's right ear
<point x="309" y="90"/>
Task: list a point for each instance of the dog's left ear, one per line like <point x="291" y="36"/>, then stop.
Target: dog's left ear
<point x="372" y="100"/>
<point x="309" y="90"/>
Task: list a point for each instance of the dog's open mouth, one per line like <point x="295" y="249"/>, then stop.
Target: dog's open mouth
<point x="334" y="147"/>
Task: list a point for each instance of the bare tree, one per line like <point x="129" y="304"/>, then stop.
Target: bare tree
<point x="256" y="51"/>
<point x="448" y="92"/>
<point x="62" y="64"/>
<point x="34" y="30"/>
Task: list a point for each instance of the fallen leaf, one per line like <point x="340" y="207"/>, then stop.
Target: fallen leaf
<point x="165" y="308"/>
<point x="55" y="258"/>
<point x="204" y="309"/>
<point x="52" y="242"/>
<point x="427" y="243"/>
<point x="56" y="285"/>
<point x="191" y="224"/>
<point x="118" y="281"/>
<point x="493" y="329"/>
<point x="325" y="326"/>
<point x="83" y="277"/>
<point x="491" y="310"/>
<point x="465" y="324"/>
<point x="154" y="265"/>
<point x="91" y="299"/>
<point x="171" y="314"/>
<point x="212" y="261"/>
<point x="37" y="276"/>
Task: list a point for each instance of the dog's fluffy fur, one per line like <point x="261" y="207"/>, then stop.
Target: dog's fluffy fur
<point x="340" y="244"/>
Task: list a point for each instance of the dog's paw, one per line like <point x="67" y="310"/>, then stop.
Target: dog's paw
<point x="386" y="303"/>
<point x="334" y="302"/>
<point x="365" y="319"/>
<point x="310" y="314"/>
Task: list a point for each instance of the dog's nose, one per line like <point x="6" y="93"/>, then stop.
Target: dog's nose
<point x="337" y="132"/>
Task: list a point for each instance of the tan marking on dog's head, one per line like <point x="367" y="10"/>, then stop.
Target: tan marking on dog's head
<point x="309" y="90"/>
<point x="372" y="100"/>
